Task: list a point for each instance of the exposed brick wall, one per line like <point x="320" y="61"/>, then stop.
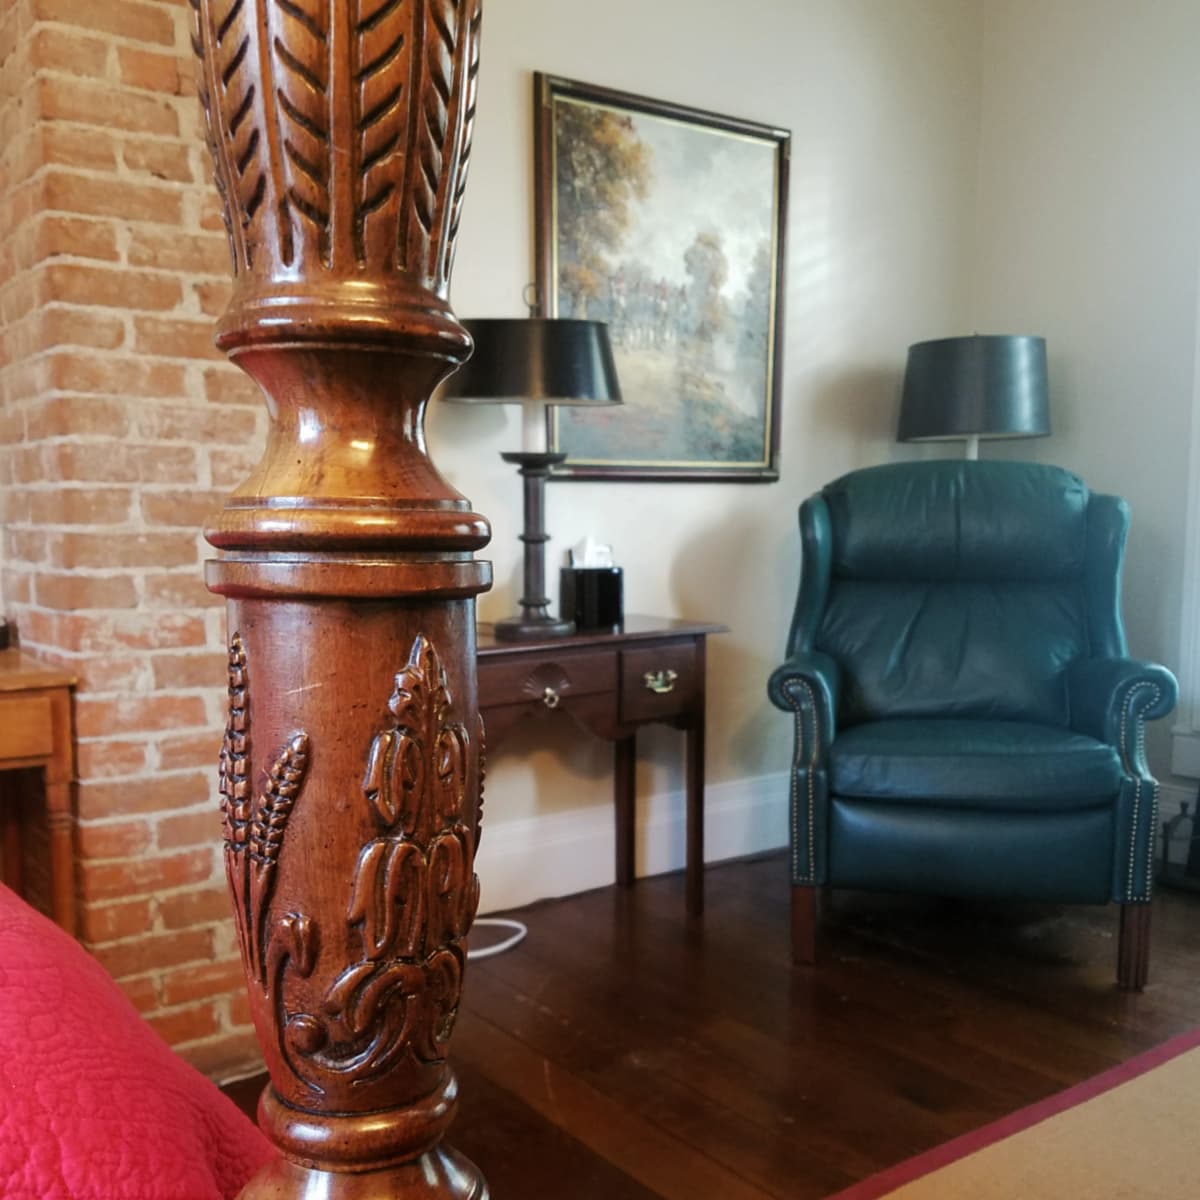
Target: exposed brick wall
<point x="120" y="431"/>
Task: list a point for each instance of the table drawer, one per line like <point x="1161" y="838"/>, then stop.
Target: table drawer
<point x="545" y="677"/>
<point x="658" y="682"/>
<point x="26" y="727"/>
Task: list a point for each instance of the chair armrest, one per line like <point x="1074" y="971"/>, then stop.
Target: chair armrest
<point x="1111" y="699"/>
<point x="809" y="685"/>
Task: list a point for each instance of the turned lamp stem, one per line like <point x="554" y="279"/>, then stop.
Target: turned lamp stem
<point x="536" y="363"/>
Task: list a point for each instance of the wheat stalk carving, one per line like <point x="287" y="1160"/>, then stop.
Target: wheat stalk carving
<point x="284" y="781"/>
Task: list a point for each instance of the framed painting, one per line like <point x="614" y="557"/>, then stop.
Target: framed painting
<point x="668" y="224"/>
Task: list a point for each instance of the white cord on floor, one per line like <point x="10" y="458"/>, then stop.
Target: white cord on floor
<point x="518" y="936"/>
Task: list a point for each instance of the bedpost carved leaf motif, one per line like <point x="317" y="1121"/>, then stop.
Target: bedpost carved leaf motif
<point x="282" y="82"/>
<point x="412" y="899"/>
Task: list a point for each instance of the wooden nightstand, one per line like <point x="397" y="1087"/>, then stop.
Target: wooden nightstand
<point x="36" y="732"/>
<point x="611" y="684"/>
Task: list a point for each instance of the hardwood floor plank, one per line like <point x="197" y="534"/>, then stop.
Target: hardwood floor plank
<point x="626" y="1051"/>
<point x="671" y="1168"/>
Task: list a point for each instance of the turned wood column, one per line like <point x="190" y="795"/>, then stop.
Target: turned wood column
<point x="352" y="762"/>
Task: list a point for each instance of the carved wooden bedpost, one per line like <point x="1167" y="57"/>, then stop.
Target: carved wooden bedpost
<point x="352" y="763"/>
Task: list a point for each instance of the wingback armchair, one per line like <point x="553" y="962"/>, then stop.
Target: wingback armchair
<point x="967" y="719"/>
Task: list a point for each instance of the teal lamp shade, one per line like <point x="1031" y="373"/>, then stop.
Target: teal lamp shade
<point x="975" y="387"/>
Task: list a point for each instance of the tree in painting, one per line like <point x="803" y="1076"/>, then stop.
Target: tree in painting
<point x="602" y="168"/>
<point x="664" y="229"/>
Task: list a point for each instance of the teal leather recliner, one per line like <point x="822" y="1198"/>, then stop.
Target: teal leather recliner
<point x="967" y="720"/>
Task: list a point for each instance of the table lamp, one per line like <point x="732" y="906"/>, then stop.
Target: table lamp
<point x="975" y="387"/>
<point x="535" y="362"/>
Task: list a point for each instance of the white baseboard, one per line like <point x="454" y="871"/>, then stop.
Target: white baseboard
<point x="563" y="853"/>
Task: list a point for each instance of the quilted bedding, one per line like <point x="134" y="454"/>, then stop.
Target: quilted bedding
<point x="93" y="1104"/>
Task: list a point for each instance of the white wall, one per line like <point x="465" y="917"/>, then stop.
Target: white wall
<point x="1088" y="232"/>
<point x="882" y="100"/>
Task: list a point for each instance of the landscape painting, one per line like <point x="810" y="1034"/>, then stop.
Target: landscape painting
<point x="667" y="224"/>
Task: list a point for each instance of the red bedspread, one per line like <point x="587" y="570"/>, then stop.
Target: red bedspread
<point x="93" y="1104"/>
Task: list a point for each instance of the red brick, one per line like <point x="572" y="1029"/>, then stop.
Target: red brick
<point x="105" y="760"/>
<point x="212" y="212"/>
<point x="163" y="160"/>
<point x="156" y="952"/>
<point x="152" y="794"/>
<point x="100" y="717"/>
<point x="134" y="631"/>
<point x="114" y="839"/>
<point x="74" y="236"/>
<point x="108" y="921"/>
<point x="74" y="193"/>
<point x="206" y="670"/>
<point x="190" y="253"/>
<point x="141" y="876"/>
<point x="75" y="416"/>
<point x="62" y="99"/>
<point x="81" y="506"/>
<point x="200" y="828"/>
<point x="142" y="992"/>
<point x="174" y="338"/>
<point x="190" y="509"/>
<point x="67" y="146"/>
<point x="149" y="70"/>
<point x="190" y="750"/>
<point x="125" y="18"/>
<point x="203" y="423"/>
<point x="213" y="297"/>
<point x="203" y="981"/>
<point x="198" y="907"/>
<point x="71" y="592"/>
<point x="231" y="387"/>
<point x="103" y="548"/>
<point x="230" y="467"/>
<point x="184" y="589"/>
<point x="108" y="287"/>
<point x="186" y="1025"/>
<point x="78" y="327"/>
<point x="116" y="376"/>
<point x="95" y="462"/>
<point x="110" y="673"/>
<point x="239" y="1008"/>
<point x="66" y="50"/>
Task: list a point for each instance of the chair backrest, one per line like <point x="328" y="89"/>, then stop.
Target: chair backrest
<point x="960" y="589"/>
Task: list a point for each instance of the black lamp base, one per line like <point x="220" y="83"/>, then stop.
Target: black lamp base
<point x="534" y="620"/>
<point x="531" y="628"/>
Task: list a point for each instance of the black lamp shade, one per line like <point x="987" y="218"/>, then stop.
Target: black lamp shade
<point x="554" y="361"/>
<point x="979" y="386"/>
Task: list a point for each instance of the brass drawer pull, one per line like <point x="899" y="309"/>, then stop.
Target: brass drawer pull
<point x="660" y="682"/>
<point x="550" y="698"/>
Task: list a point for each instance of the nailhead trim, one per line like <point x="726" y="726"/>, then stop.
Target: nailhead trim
<point x="798" y="707"/>
<point x="1131" y="889"/>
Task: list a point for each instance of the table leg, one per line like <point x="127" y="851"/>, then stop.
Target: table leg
<point x="62" y="855"/>
<point x="695" y="816"/>
<point x="10" y="820"/>
<point x="625" y="799"/>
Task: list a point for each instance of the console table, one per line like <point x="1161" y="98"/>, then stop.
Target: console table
<point x="612" y="683"/>
<point x="36" y="732"/>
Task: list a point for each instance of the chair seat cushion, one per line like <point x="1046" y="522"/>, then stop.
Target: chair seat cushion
<point x="1014" y="765"/>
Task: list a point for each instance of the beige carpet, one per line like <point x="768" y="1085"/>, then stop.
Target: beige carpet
<point x="1133" y="1133"/>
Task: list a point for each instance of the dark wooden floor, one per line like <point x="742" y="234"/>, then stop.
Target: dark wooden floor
<point x="624" y="1052"/>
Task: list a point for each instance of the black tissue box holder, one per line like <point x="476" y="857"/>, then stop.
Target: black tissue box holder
<point x="592" y="597"/>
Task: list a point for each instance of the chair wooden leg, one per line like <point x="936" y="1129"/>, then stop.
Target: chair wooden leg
<point x="804" y="924"/>
<point x="1133" y="947"/>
